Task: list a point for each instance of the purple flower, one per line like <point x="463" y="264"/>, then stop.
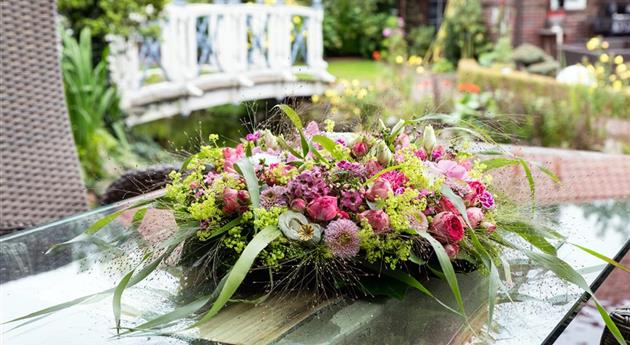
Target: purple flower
<point x="387" y="32"/>
<point x="253" y="136"/>
<point x="342" y="238"/>
<point x="438" y="152"/>
<point x="351" y="200"/>
<point x="340" y="141"/>
<point x="486" y="200"/>
<point x="355" y="169"/>
<point x="273" y="196"/>
<point x="308" y="185"/>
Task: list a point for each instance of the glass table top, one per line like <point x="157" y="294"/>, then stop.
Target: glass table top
<point x="538" y="303"/>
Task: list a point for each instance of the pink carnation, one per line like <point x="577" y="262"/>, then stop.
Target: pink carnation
<point x="397" y="179"/>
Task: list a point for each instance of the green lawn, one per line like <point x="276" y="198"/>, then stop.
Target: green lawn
<point x="355" y="68"/>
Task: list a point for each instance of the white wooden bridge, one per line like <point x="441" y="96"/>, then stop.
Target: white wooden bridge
<point x="214" y="54"/>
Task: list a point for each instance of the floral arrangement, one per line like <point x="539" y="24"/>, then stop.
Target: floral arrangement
<point x="338" y="211"/>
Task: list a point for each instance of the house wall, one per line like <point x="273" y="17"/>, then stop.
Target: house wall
<point x="525" y="25"/>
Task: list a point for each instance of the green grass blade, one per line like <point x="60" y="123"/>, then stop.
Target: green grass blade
<point x="116" y="301"/>
<point x="549" y="173"/>
<point x="244" y="166"/>
<point x="601" y="257"/>
<point x="240" y="269"/>
<point x="494" y="280"/>
<point x="447" y="269"/>
<point x="456" y="201"/>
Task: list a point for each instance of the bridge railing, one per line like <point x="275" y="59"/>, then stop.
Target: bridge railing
<point x="206" y="47"/>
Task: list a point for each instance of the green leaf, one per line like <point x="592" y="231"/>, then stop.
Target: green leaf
<point x="117" y="298"/>
<point x="566" y="272"/>
<point x="531" y="234"/>
<point x="292" y="115"/>
<point x="416" y="259"/>
<point x="329" y="145"/>
<point x="244" y="166"/>
<point x="456" y="201"/>
<point x="447" y="269"/>
<point x="495" y="163"/>
<point x="530" y="178"/>
<point x="494" y="280"/>
<point x="287" y="147"/>
<point x="101" y="223"/>
<point x="601" y="257"/>
<point x="383" y="287"/>
<point x="240" y="269"/>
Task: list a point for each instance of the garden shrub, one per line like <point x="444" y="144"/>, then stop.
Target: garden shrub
<point x="545" y="112"/>
<point x="354" y="27"/>
<point x="465" y="32"/>
<point x="419" y="39"/>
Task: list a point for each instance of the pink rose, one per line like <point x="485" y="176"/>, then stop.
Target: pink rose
<point x="490" y="227"/>
<point x="451" y="169"/>
<point x="234" y="200"/>
<point x="475" y="216"/>
<point x="373" y="167"/>
<point x="452" y="249"/>
<point x="378" y="220"/>
<point x="381" y="189"/>
<point x="447" y="227"/>
<point x="323" y="208"/>
<point x="298" y="205"/>
<point x="231" y="156"/>
<point x="359" y="149"/>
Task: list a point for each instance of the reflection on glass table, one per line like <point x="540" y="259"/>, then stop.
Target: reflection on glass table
<point x="538" y="302"/>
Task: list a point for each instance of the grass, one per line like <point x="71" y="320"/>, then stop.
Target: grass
<point x="355" y="68"/>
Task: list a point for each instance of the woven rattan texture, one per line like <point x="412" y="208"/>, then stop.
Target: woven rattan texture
<point x="40" y="176"/>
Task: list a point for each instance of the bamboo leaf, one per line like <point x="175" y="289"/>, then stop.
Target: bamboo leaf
<point x="601" y="257"/>
<point x="447" y="269"/>
<point x="117" y="298"/>
<point x="240" y="269"/>
<point x="246" y="169"/>
<point x="456" y="201"/>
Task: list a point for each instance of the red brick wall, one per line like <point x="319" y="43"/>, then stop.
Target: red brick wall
<point x="578" y="26"/>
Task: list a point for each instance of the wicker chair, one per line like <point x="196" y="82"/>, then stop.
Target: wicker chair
<point x="621" y="317"/>
<point x="40" y="179"/>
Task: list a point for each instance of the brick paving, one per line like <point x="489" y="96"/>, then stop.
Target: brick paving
<point x="585" y="176"/>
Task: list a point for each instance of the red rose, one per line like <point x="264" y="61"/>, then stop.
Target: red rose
<point x="323" y="208"/>
<point x="447" y="227"/>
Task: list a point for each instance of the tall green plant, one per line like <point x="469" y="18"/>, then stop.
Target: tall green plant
<point x="90" y="101"/>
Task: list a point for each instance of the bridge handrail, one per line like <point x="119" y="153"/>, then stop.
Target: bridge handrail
<point x="202" y="42"/>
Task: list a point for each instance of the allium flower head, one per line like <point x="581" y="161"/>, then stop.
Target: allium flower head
<point x="273" y="196"/>
<point x="342" y="238"/>
<point x="308" y="185"/>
